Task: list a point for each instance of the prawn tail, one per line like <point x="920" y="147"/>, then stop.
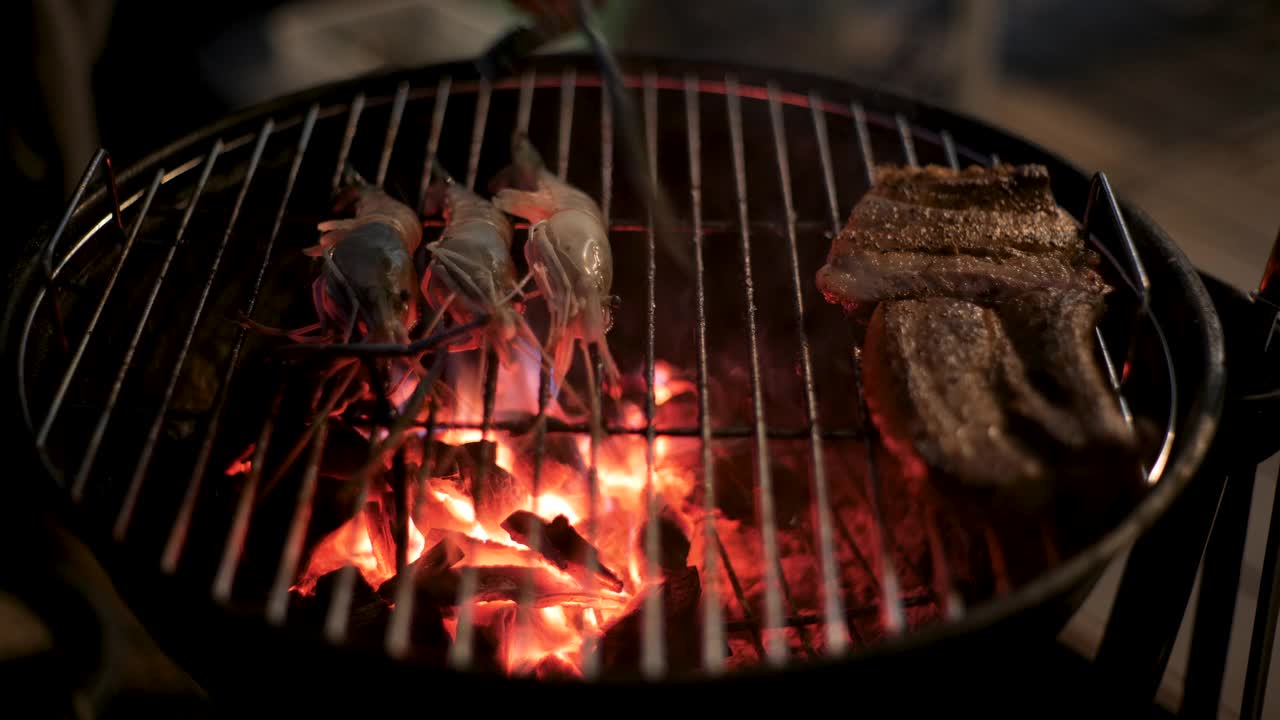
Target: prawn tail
<point x="332" y="232"/>
<point x="526" y="164"/>
<point x="534" y="206"/>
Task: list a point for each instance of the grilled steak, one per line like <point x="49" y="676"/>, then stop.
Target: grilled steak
<point x="977" y="233"/>
<point x="1005" y="402"/>
<point x="934" y="374"/>
<point x="979" y="359"/>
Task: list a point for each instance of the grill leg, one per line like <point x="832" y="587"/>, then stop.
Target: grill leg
<point x="1219" y="587"/>
<point x="1155" y="589"/>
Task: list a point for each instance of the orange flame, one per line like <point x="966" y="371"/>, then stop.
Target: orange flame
<point x="547" y="640"/>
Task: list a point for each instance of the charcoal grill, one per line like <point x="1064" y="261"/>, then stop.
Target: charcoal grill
<point x="130" y="372"/>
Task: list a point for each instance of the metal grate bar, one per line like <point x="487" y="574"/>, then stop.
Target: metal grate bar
<point x="908" y="142"/>
<point x="393" y="129"/>
<point x="1100" y="191"/>
<point x="864" y="142"/>
<point x="462" y="651"/>
<point x="291" y="553"/>
<point x="713" y="630"/>
<point x="591" y="657"/>
<point x="824" y="155"/>
<point x="348" y="136"/>
<point x="182" y="521"/>
<point x="233" y="549"/>
<point x="949" y="147"/>
<point x="837" y="633"/>
<point x="153" y="435"/>
<point x="567" y="83"/>
<point x="943" y="577"/>
<point x="774" y="642"/>
<point x="60" y="394"/>
<point x="400" y="626"/>
<point x="1140" y="283"/>
<point x="433" y="140"/>
<point x="525" y="105"/>
<point x="524" y="606"/>
<point x="892" y="615"/>
<point x="95" y="439"/>
<point x="477" y="131"/>
<point x="653" y="656"/>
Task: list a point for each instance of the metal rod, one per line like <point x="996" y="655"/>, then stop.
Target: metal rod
<point x="1219" y="589"/>
<point x="1263" y="634"/>
<point x="525" y="602"/>
<point x="400" y="627"/>
<point x="291" y="552"/>
<point x="893" y="619"/>
<point x="908" y="143"/>
<point x="178" y="533"/>
<point x="713" y="630"/>
<point x="393" y="129"/>
<point x="233" y="548"/>
<point x="653" y="661"/>
<point x="348" y="136"/>
<point x="837" y="634"/>
<point x="555" y="425"/>
<point x="95" y="438"/>
<point x="42" y="435"/>
<point x="864" y="142"/>
<point x="774" y="640"/>
<point x="824" y="155"/>
<point x="337" y="620"/>
<point x="525" y="105"/>
<point x="433" y="139"/>
<point x="477" y="132"/>
<point x="125" y="516"/>
<point x="949" y="147"/>
<point x="591" y="665"/>
<point x="1100" y="190"/>
<point x="462" y="651"/>
<point x="567" y="83"/>
<point x="741" y="597"/>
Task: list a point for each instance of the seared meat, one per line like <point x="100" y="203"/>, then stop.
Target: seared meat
<point x="1003" y="402"/>
<point x="1054" y="334"/>
<point x="977" y="233"/>
<point x="933" y="375"/>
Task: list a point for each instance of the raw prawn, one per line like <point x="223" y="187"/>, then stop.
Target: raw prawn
<point x="369" y="277"/>
<point x="568" y="254"/>
<point x="471" y="274"/>
<point x="368" y="287"/>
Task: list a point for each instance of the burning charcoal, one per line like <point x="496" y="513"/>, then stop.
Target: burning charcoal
<point x="673" y="540"/>
<point x="442" y="556"/>
<point x="345" y="452"/>
<point x="507" y="582"/>
<point x="494" y="491"/>
<point x="369" y="612"/>
<point x="554" y="667"/>
<point x="562" y="463"/>
<point x="370" y="615"/>
<point x="563" y="547"/>
<point x="620" y="645"/>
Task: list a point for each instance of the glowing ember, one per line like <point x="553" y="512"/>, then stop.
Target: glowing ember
<point x="547" y="640"/>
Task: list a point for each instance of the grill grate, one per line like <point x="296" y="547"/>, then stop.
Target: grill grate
<point x="779" y="612"/>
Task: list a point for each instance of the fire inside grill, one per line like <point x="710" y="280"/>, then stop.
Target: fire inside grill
<point x="731" y="507"/>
